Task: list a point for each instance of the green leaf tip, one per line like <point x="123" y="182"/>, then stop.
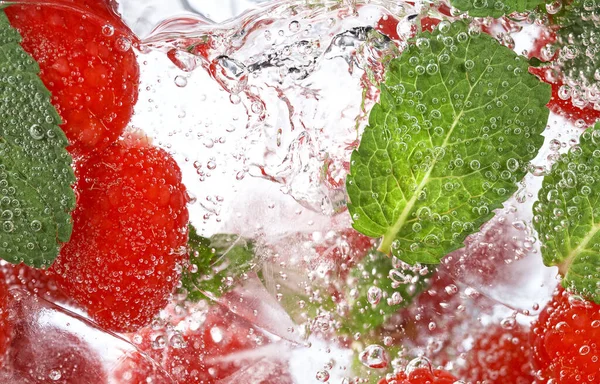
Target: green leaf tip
<point x="215" y="263"/>
<point x="495" y="8"/>
<point x="567" y="216"/>
<point x="36" y="197"/>
<point x="459" y="119"/>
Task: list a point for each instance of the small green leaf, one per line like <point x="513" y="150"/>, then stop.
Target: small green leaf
<point x="35" y="169"/>
<point x="495" y="8"/>
<point x="567" y="216"/>
<point x="215" y="264"/>
<point x="376" y="277"/>
<point x="458" y="121"/>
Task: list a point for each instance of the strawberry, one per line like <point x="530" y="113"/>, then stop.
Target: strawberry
<point x="420" y="376"/>
<point x="53" y="355"/>
<point x="87" y="66"/>
<point x="129" y="235"/>
<point x="500" y="356"/>
<point x="565" y="340"/>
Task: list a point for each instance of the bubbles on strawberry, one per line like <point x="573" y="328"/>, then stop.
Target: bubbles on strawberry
<point x="93" y="80"/>
<point x="132" y="194"/>
<point x="565" y="340"/>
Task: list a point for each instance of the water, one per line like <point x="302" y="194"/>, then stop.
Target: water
<point x="262" y="108"/>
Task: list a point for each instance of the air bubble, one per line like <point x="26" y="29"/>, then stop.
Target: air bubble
<point x="444" y="26"/>
<point x="374" y="295"/>
<point x="108" y="30"/>
<point x="37" y="132"/>
<point x="180" y="81"/>
<point x="374" y="356"/>
<point x="8" y="226"/>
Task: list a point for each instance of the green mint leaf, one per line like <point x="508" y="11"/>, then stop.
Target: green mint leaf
<point x="495" y="8"/>
<point x="567" y="216"/>
<point x="36" y="197"/>
<point x="579" y="57"/>
<point x="458" y="121"/>
<point x="380" y="291"/>
<point x="216" y="263"/>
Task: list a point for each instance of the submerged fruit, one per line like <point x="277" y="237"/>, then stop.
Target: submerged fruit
<point x="129" y="235"/>
<point x="565" y="341"/>
<point x="420" y="376"/>
<point x="54" y="355"/>
<point x="500" y="356"/>
<point x="86" y="64"/>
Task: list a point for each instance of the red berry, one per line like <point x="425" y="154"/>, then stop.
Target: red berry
<point x="53" y="355"/>
<point x="421" y="376"/>
<point x="129" y="235"/>
<point x="205" y="357"/>
<point x="566" y="341"/>
<point x="217" y="350"/>
<point x="93" y="79"/>
<point x="500" y="356"/>
<point x="36" y="281"/>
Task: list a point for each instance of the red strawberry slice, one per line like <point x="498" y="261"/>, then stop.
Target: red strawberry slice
<point x="86" y="63"/>
<point x="129" y="235"/>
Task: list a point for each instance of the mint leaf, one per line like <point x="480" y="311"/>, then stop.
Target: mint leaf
<point x="579" y="57"/>
<point x="495" y="8"/>
<point x="567" y="216"/>
<point x="459" y="119"/>
<point x="35" y="169"/>
<point x="215" y="263"/>
<point x="380" y="291"/>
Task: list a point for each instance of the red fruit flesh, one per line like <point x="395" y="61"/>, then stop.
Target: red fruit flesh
<point x="500" y="356"/>
<point x="92" y="78"/>
<point x="129" y="235"/>
<point x="53" y="355"/>
<point x="566" y="341"/>
<point x="421" y="376"/>
<point x="5" y="327"/>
